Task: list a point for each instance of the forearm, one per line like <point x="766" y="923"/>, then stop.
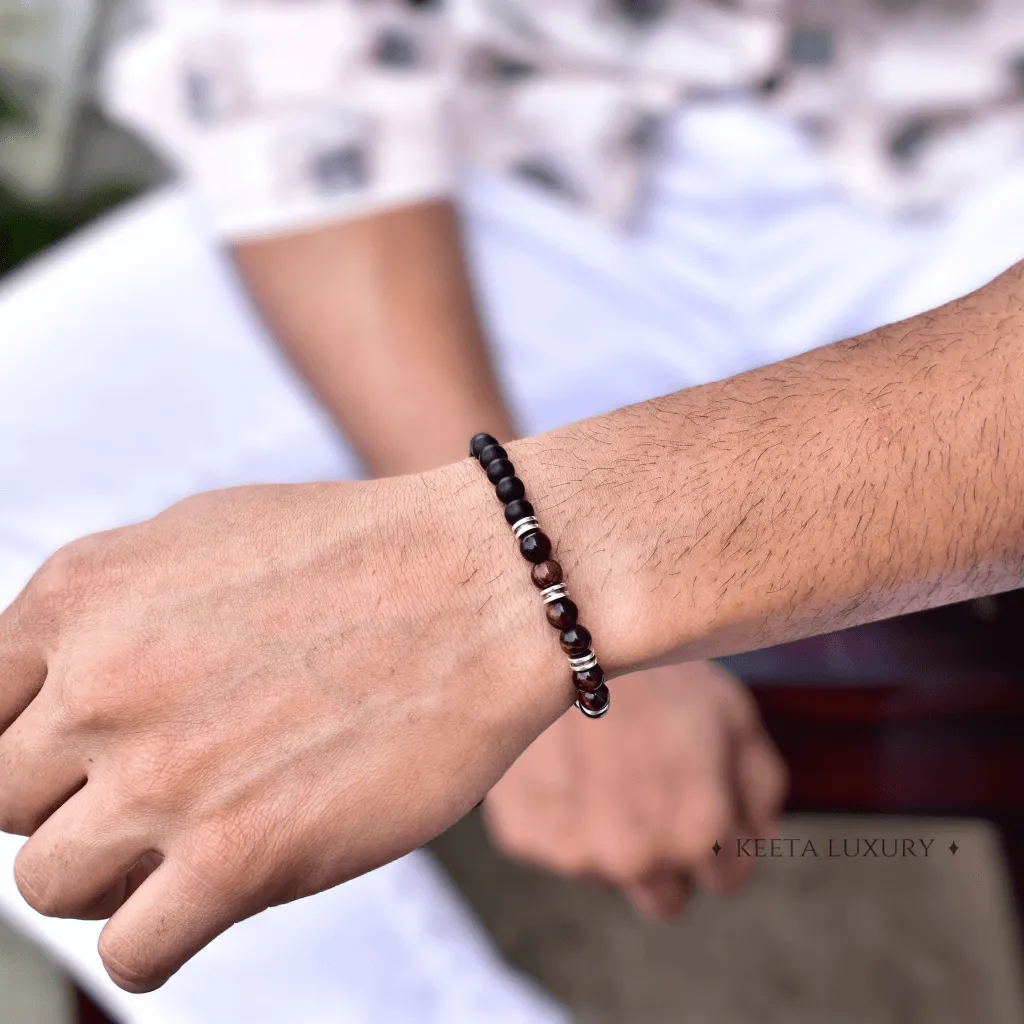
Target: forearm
<point x="871" y="478"/>
<point x="378" y="315"/>
<point x="863" y="480"/>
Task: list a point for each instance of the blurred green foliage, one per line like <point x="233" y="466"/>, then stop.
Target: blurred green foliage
<point x="11" y="111"/>
<point x="27" y="228"/>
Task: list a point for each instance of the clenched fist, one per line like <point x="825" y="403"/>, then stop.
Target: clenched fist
<point x="639" y="799"/>
<point x="259" y="694"/>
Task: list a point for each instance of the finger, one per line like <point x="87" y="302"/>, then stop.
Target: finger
<point x="727" y="872"/>
<point x="22" y="663"/>
<point x="162" y="926"/>
<point x="762" y="782"/>
<point x="704" y="810"/>
<point x="123" y="889"/>
<point x="721" y="870"/>
<point x="39" y="769"/>
<point x="741" y="711"/>
<point x="662" y="894"/>
<point x="758" y="786"/>
<point x="77" y="864"/>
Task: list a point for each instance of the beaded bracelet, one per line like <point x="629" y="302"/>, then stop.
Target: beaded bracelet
<point x="593" y="698"/>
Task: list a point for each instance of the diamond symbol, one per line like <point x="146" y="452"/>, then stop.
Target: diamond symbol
<point x="716" y="848"/>
<point x="953" y="847"/>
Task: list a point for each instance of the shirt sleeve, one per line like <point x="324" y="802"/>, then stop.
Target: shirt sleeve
<point x="290" y="115"/>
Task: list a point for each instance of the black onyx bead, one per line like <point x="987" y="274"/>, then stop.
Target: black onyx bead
<point x="516" y="510"/>
<point x="589" y="680"/>
<point x="576" y="641"/>
<point x="563" y="613"/>
<point x="547" y="574"/>
<point x="492" y="452"/>
<point x="535" y="547"/>
<point x="499" y="469"/>
<point x="511" y="489"/>
<point x="597" y="702"/>
<point x="479" y="443"/>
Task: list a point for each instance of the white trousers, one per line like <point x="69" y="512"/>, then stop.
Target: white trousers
<point x="134" y="372"/>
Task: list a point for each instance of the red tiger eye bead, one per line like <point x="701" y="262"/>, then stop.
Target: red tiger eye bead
<point x="547" y="574"/>
<point x="590" y="680"/>
<point x="576" y="641"/>
<point x="597" y="702"/>
<point x="563" y="613"/>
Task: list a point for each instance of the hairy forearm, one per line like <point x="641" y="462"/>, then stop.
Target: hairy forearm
<point x="871" y="478"/>
<point x="378" y="315"/>
<point x="867" y="479"/>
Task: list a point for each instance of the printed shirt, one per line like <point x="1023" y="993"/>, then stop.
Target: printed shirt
<point x="294" y="112"/>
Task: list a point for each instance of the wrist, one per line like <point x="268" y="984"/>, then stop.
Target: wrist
<point x="479" y="586"/>
<point x="590" y="508"/>
<point x="577" y="492"/>
<point x="629" y="526"/>
<point x="600" y="512"/>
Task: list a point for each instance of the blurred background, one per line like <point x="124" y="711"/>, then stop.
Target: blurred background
<point x="909" y="728"/>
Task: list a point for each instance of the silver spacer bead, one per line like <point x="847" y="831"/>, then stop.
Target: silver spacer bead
<point x="596" y="714"/>
<point x="583" y="662"/>
<point x="525" y="526"/>
<point x="555" y="593"/>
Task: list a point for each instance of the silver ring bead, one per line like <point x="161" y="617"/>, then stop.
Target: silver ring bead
<point x="555" y="593"/>
<point x="525" y="526"/>
<point x="583" y="662"/>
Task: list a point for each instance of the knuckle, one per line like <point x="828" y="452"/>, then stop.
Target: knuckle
<point x="744" y="703"/>
<point x="81" y="694"/>
<point x="37" y="884"/>
<point x="98" y="687"/>
<point x="63" y="574"/>
<point x="777" y="782"/>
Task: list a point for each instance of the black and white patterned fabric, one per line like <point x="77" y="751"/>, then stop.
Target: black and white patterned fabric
<point x="291" y="112"/>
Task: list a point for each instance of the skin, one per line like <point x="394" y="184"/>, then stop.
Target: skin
<point x="379" y="316"/>
<point x="691" y="762"/>
<point x="241" y="696"/>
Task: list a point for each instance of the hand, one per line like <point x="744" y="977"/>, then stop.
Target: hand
<point x="639" y="799"/>
<point x="260" y="694"/>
